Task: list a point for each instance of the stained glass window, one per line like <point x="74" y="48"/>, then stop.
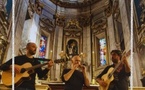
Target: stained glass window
<point x="102" y="43"/>
<point x="43" y="44"/>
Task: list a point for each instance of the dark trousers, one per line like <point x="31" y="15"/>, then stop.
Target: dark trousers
<point x="21" y="88"/>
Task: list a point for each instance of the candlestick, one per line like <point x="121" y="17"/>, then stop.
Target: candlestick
<point x="50" y="54"/>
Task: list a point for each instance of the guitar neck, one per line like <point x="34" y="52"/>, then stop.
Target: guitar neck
<point x="116" y="67"/>
<point x="36" y="66"/>
<point x="40" y="65"/>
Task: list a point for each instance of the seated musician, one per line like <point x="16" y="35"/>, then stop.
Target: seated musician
<point x="119" y="78"/>
<point x="22" y="62"/>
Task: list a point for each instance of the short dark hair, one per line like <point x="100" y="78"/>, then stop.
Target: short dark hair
<point x="118" y="52"/>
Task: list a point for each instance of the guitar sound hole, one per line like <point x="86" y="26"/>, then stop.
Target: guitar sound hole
<point x="22" y="70"/>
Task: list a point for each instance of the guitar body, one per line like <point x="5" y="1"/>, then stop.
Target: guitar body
<point x="27" y="69"/>
<point x="18" y="77"/>
<point x="106" y="79"/>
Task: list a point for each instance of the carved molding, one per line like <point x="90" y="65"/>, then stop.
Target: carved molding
<point x="142" y="16"/>
<point x="112" y="8"/>
<point x="3" y="34"/>
<point x="84" y="20"/>
<point x="74" y="4"/>
<point x="35" y="7"/>
<point x="46" y="24"/>
<point x="142" y="38"/>
<point x="99" y="26"/>
<point x="73" y="24"/>
<point x="2" y="5"/>
<point x="73" y="33"/>
<point x="108" y="10"/>
<point x="59" y="20"/>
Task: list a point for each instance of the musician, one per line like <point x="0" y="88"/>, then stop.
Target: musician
<point x="121" y="75"/>
<point x="28" y="58"/>
<point x="74" y="78"/>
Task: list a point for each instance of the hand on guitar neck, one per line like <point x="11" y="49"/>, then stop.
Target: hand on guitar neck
<point x="125" y="62"/>
<point x="50" y="64"/>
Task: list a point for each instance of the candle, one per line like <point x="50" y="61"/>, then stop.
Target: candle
<point x="50" y="54"/>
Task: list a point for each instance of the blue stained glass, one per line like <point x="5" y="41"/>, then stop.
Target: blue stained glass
<point x="102" y="43"/>
<point x="42" y="49"/>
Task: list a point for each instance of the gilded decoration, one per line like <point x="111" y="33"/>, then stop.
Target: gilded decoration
<point x="99" y="26"/>
<point x="73" y="24"/>
<point x="74" y="4"/>
<point x="3" y="30"/>
<point x="35" y="7"/>
<point x="60" y="20"/>
<point x="142" y="17"/>
<point x="112" y="7"/>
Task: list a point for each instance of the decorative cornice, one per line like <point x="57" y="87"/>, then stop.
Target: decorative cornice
<point x="99" y="26"/>
<point x="84" y="20"/>
<point x="46" y="23"/>
<point x="108" y="10"/>
<point x="113" y="7"/>
<point x="142" y="16"/>
<point x="74" y="4"/>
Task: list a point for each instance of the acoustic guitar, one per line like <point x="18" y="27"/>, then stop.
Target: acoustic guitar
<point x="26" y="70"/>
<point x="108" y="77"/>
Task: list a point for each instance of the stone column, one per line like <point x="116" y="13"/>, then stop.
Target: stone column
<point x="125" y="24"/>
<point x="110" y="33"/>
<point x="58" y="70"/>
<point x="57" y="48"/>
<point x="87" y="49"/>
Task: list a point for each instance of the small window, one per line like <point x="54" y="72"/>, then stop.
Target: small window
<point x="43" y="45"/>
<point x="102" y="51"/>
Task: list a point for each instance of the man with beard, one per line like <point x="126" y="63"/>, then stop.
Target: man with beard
<point x="119" y="78"/>
<point x="23" y="62"/>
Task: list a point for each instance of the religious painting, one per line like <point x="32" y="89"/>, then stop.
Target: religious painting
<point x="72" y="48"/>
<point x="42" y="47"/>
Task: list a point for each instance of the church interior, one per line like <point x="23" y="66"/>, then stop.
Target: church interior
<point x="63" y="28"/>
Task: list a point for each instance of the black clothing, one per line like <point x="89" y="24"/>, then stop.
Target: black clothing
<point x="75" y="82"/>
<point x="19" y="88"/>
<point x="120" y="81"/>
<point x="20" y="60"/>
